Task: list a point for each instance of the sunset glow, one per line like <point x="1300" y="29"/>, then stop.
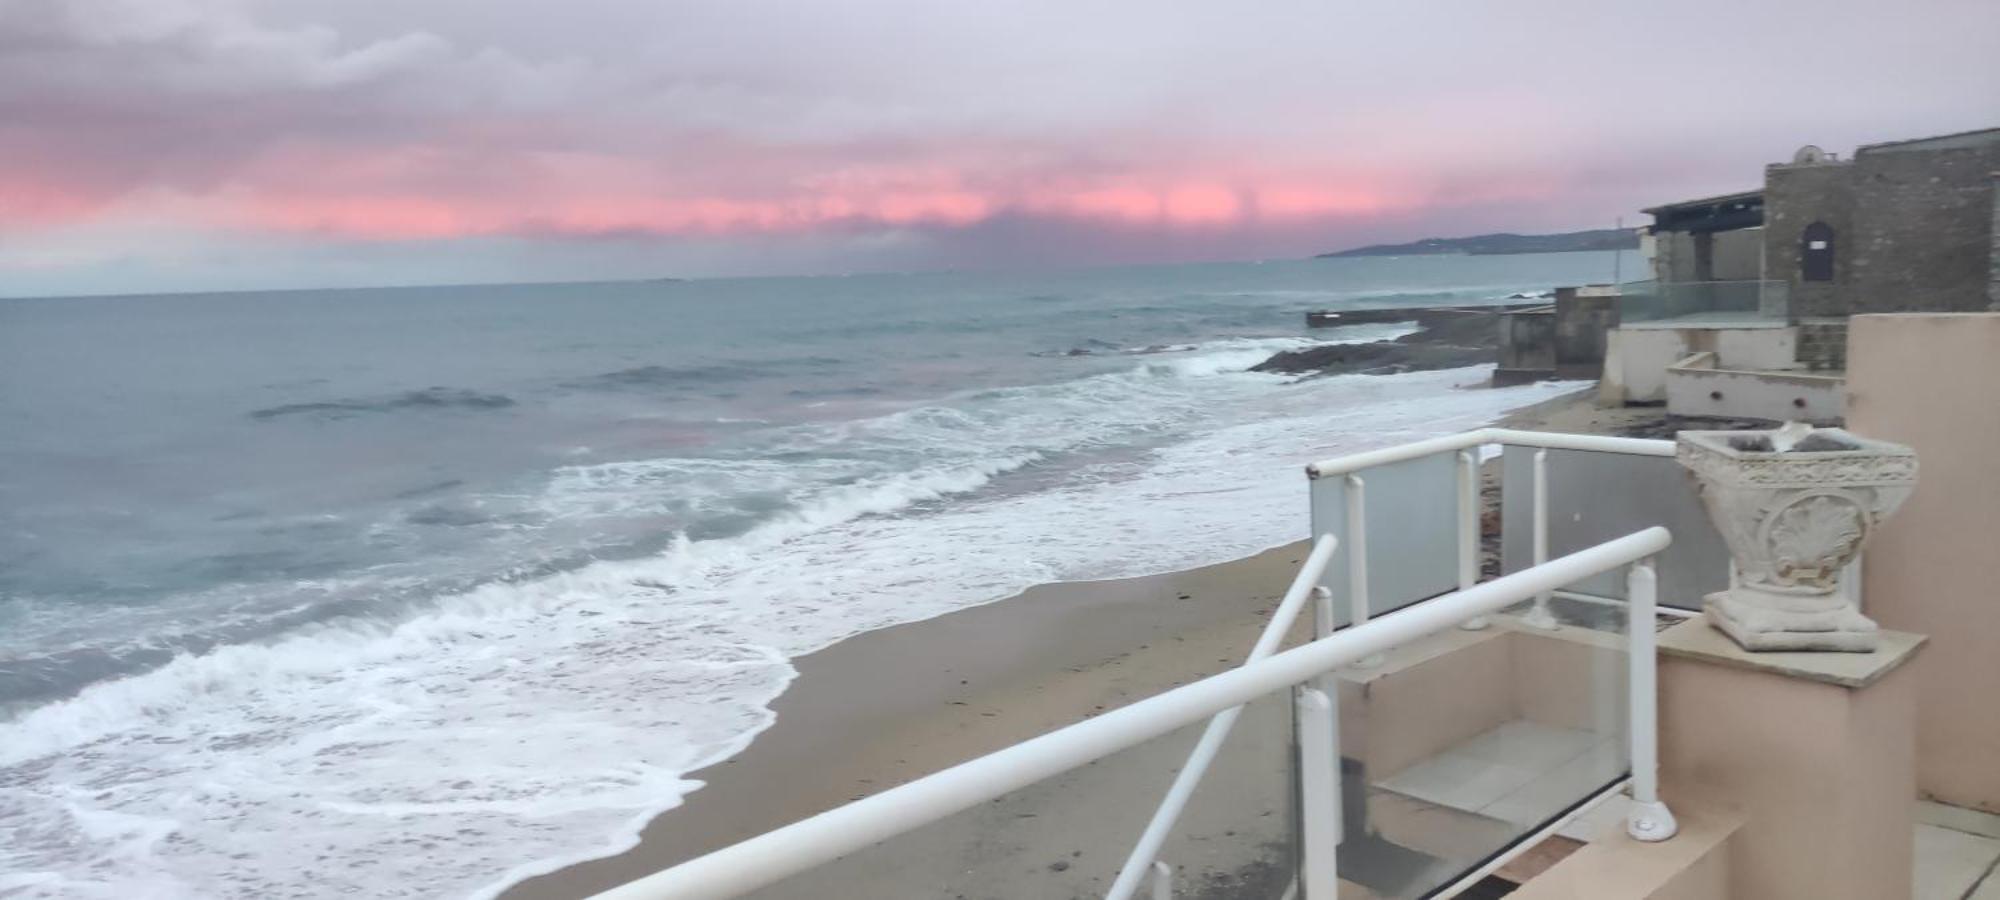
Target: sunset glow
<point x="155" y="138"/>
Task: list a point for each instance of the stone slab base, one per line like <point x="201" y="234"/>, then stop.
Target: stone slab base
<point x="1762" y="629"/>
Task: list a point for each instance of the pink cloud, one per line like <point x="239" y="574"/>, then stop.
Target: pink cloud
<point x="430" y="192"/>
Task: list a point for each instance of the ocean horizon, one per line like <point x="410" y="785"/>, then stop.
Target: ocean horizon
<point x="423" y="590"/>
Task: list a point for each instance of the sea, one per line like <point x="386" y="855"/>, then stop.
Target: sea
<point x="416" y="592"/>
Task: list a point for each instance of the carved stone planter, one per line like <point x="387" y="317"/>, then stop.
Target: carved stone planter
<point x="1793" y="520"/>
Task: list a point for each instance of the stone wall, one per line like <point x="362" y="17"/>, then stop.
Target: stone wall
<point x="1794" y="197"/>
<point x="1581" y="323"/>
<point x="1913" y="229"/>
<point x="1527" y="346"/>
<point x="1738" y="255"/>
<point x="1728" y="256"/>
<point x="1822" y="346"/>
<point x="1993" y="285"/>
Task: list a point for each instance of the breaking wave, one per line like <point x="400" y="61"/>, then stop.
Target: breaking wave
<point x="547" y="717"/>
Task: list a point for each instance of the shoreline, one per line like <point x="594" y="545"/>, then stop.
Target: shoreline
<point x="939" y="691"/>
<point x="943" y="690"/>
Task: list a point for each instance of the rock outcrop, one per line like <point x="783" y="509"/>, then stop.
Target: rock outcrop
<point x="1441" y="342"/>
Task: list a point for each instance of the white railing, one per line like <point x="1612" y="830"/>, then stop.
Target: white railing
<point x="1467" y="446"/>
<point x="1144" y="856"/>
<point x="777" y="855"/>
<point x="1466" y="440"/>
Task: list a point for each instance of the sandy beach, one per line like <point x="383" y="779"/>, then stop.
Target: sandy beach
<point x="887" y="706"/>
<point x="883" y="707"/>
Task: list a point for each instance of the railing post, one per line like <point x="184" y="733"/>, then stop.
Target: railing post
<point x="1649" y="820"/>
<point x="1323" y="622"/>
<point x="1357" y="560"/>
<point x="1468" y="530"/>
<point x="1539" y="615"/>
<point x="1163" y="881"/>
<point x="1319" y="793"/>
<point x="1133" y="873"/>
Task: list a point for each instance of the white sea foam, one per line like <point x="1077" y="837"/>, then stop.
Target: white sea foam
<point x="545" y="721"/>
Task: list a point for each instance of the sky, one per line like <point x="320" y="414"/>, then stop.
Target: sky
<point x="172" y="145"/>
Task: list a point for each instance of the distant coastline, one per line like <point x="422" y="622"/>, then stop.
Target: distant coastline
<point x="1502" y="244"/>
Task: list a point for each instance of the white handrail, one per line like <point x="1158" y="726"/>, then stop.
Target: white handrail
<point x="1468" y="530"/>
<point x="776" y="855"/>
<point x="1539" y="615"/>
<point x="1354" y="462"/>
<point x="1648" y="819"/>
<point x="1358" y="603"/>
<point x="1205" y="750"/>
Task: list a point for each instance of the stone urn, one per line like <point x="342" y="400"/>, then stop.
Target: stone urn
<point x="1795" y="506"/>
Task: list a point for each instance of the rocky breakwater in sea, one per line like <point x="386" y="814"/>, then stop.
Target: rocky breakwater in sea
<point x="1443" y="340"/>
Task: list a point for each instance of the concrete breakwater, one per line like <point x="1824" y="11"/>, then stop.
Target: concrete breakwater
<point x="1422" y="315"/>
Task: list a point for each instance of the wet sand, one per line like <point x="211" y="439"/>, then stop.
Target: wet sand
<point x="1578" y="413"/>
<point x="888" y="706"/>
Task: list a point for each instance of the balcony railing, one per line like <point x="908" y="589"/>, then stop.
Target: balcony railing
<point x="1648" y="301"/>
<point x="1381" y="658"/>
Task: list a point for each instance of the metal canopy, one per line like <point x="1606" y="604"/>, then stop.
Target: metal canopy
<point x="1709" y="214"/>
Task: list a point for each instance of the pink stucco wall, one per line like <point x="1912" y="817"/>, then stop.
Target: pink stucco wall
<point x="1932" y="381"/>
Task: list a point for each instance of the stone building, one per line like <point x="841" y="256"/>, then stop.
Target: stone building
<point x="1748" y="312"/>
<point x="1905" y="226"/>
<point x="1993" y="287"/>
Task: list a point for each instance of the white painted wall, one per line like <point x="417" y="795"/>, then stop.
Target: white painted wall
<point x="1636" y="358"/>
<point x="1780" y="396"/>
<point x="1642" y="356"/>
<point x="1757" y="348"/>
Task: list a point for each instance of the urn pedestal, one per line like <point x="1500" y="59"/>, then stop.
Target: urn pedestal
<point x="1793" y="519"/>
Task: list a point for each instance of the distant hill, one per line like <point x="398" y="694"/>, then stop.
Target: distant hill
<point x="1501" y="244"/>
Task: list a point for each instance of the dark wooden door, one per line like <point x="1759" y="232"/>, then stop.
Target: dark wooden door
<point x="1816" y="252"/>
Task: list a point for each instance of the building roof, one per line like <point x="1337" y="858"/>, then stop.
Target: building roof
<point x="1719" y="199"/>
<point x="1726" y="212"/>
<point x="1975" y="138"/>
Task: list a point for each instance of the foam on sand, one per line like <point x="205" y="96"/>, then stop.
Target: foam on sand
<point x="525" y="724"/>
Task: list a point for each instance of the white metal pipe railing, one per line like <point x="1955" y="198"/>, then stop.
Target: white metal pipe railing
<point x="1357" y="562"/>
<point x="1319" y="792"/>
<point x="1468" y="529"/>
<point x="1357" y="549"/>
<point x="1596" y="443"/>
<point x="1649" y="819"/>
<point x="1468" y="507"/>
<point x="1539" y="616"/>
<point x="1548" y="440"/>
<point x="1323" y="625"/>
<point x="1176" y="800"/>
<point x="774" y="856"/>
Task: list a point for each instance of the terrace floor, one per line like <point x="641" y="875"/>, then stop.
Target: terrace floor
<point x="1477" y="793"/>
<point x="1957" y="851"/>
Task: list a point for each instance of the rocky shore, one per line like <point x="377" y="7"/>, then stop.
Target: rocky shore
<point x="1443" y="340"/>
